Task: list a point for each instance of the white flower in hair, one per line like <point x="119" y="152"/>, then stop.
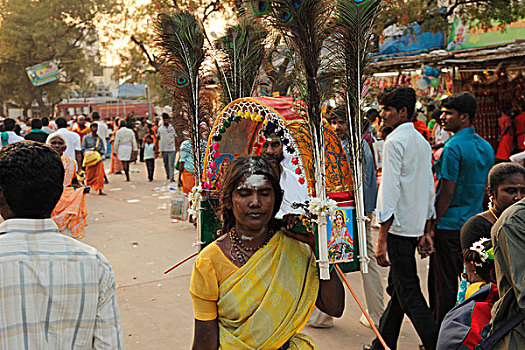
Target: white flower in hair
<point x="480" y="249"/>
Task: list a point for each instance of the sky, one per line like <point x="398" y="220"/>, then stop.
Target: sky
<point x="113" y="43"/>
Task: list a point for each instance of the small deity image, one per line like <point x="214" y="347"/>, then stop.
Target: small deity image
<point x="222" y="165"/>
<point x="340" y="239"/>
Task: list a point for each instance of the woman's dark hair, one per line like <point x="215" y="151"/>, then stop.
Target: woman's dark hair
<point x="239" y="169"/>
<point x="45" y="121"/>
<point x="483" y="268"/>
<point x="31" y="179"/>
<point x="123" y="123"/>
<point x="500" y="172"/>
<point x="398" y="97"/>
<point x="463" y="102"/>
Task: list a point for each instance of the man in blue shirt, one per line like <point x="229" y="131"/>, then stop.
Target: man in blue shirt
<point x="462" y="173"/>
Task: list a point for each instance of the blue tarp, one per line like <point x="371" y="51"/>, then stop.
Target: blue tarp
<point x="413" y="43"/>
<point x="130" y="90"/>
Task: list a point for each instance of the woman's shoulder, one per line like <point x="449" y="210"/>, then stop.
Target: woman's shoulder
<point x="212" y="262"/>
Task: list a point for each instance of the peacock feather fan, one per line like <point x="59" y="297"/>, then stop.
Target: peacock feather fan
<point x="180" y="37"/>
<point x="352" y="33"/>
<point x="241" y="55"/>
<point x="304" y="25"/>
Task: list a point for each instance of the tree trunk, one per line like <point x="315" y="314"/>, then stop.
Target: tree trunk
<point x="24" y="112"/>
<point x="42" y="106"/>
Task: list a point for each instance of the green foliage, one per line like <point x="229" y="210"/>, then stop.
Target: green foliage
<point x="33" y="32"/>
<point x="433" y="18"/>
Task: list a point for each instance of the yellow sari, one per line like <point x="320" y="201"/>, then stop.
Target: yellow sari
<point x="269" y="300"/>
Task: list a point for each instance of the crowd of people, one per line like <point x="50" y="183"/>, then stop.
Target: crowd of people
<point x="83" y="142"/>
<point x="256" y="286"/>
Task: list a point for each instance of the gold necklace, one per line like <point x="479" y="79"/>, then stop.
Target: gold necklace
<point x="495" y="217"/>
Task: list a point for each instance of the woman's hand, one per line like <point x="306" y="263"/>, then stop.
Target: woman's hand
<point x="289" y="222"/>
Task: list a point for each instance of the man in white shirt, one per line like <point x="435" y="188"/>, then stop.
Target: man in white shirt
<point x="294" y="192"/>
<point x="46" y="125"/>
<point x="57" y="292"/>
<point x="74" y="147"/>
<point x="405" y="206"/>
<point x="166" y="134"/>
<point x="9" y="136"/>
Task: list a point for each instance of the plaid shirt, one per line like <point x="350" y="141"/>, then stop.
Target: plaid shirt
<point x="55" y="292"/>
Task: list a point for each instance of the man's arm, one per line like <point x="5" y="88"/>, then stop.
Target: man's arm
<point x="449" y="174"/>
<point x="108" y="329"/>
<point x="78" y="151"/>
<point x="181" y="169"/>
<point x="444" y="198"/>
<point x="388" y="197"/>
<point x="381" y="250"/>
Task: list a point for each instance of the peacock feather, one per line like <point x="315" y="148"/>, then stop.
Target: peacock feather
<point x="304" y="25"/>
<point x="241" y="54"/>
<point x="180" y="37"/>
<point x="350" y="51"/>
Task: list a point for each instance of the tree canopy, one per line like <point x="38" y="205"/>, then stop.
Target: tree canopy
<point x="32" y="32"/>
<point x="435" y="15"/>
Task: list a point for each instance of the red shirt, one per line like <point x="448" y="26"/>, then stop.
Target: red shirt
<point x="519" y="123"/>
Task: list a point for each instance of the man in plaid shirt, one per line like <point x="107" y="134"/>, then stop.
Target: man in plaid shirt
<point x="55" y="292"/>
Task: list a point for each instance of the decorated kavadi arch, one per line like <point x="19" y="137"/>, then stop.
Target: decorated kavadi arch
<point x="239" y="130"/>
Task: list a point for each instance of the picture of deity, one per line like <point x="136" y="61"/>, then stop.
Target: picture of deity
<point x="340" y="239"/>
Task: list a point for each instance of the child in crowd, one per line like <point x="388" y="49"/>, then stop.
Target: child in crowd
<point x="149" y="156"/>
<point x="465" y="325"/>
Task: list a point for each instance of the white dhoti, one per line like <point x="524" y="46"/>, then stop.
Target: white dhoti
<point x="124" y="152"/>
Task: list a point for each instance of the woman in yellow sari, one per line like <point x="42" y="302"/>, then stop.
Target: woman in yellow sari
<point x="255" y="287"/>
<point x="70" y="211"/>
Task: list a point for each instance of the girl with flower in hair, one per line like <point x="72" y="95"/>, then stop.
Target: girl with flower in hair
<point x="505" y="186"/>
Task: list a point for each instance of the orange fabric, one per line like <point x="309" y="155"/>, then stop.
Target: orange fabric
<point x="421" y="127"/>
<point x="71" y="210"/>
<point x="188" y="181"/>
<point x="116" y="164"/>
<point x="82" y="132"/>
<point x="95" y="176"/>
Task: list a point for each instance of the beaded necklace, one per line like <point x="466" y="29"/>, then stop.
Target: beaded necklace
<point x="237" y="244"/>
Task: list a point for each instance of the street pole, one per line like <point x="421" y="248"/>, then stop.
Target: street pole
<point x="150" y="114"/>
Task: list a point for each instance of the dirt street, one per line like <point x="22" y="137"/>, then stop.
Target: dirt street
<point x="132" y="228"/>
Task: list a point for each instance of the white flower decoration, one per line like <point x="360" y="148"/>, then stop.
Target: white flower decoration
<point x="194" y="197"/>
<point x="480" y="249"/>
<point x="322" y="208"/>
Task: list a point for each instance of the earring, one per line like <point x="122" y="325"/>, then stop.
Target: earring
<point x="491" y="202"/>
